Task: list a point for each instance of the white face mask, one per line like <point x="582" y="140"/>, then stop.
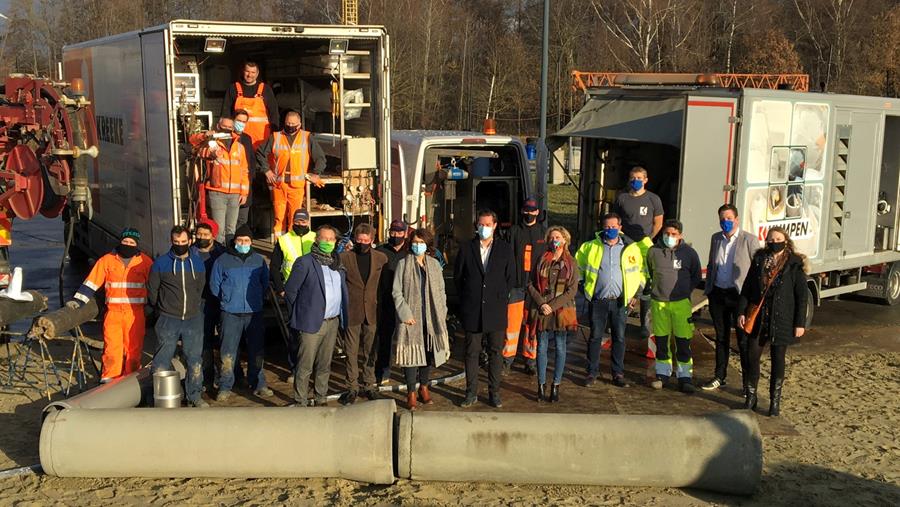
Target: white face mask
<point x="670" y="241"/>
<point x="485" y="232"/>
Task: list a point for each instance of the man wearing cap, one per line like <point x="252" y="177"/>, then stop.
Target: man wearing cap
<point x="123" y="273"/>
<point x="240" y="278"/>
<point x="528" y="245"/>
<point x="208" y="251"/>
<point x="395" y="249"/>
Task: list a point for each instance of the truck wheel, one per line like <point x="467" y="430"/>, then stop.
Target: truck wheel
<point x="892" y="285"/>
<point x="810" y="306"/>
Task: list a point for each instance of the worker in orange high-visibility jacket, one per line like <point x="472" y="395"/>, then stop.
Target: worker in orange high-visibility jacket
<point x="257" y="99"/>
<point x="227" y="175"/>
<point x="287" y="154"/>
<point x="123" y="274"/>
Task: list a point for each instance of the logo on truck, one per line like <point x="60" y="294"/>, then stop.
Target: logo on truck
<point x="111" y="129"/>
<point x="797" y="229"/>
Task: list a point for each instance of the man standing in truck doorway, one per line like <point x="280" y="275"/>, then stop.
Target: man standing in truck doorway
<point x="257" y="99"/>
<point x="287" y="155"/>
<point x="642" y="219"/>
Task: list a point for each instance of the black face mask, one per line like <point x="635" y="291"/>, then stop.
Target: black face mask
<point x="180" y="250"/>
<point x="203" y="243"/>
<point x="126" y="251"/>
<point x="529" y="219"/>
<point x="291" y="129"/>
<point x="362" y="247"/>
<point x="300" y="230"/>
<point x="776" y="247"/>
<point x="395" y="241"/>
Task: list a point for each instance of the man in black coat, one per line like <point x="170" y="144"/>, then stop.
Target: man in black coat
<point x="484" y="273"/>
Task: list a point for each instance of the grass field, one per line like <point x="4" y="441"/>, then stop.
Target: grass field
<point x="563" y="206"/>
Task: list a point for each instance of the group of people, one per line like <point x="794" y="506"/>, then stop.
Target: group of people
<point x="387" y="305"/>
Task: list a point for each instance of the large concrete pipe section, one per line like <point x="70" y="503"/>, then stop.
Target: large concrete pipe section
<point x="721" y="452"/>
<point x="354" y="442"/>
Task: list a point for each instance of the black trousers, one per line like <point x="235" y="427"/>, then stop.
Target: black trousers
<point x="776" y="352"/>
<point x="495" y="341"/>
<point x="723" y="308"/>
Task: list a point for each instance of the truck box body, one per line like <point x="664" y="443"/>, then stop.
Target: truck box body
<point x="147" y="86"/>
<point x="823" y="166"/>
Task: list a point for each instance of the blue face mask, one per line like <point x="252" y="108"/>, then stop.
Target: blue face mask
<point x="242" y="249"/>
<point x="610" y="234"/>
<point x="636" y="185"/>
<point x="726" y="225"/>
<point x="669" y="241"/>
<point x="485" y="232"/>
<point x="556" y="243"/>
<point x="418" y="249"/>
<point x="239" y="126"/>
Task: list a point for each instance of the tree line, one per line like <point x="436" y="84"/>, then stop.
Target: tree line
<point x="446" y="53"/>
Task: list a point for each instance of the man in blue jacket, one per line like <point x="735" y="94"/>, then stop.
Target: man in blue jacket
<point x="316" y="292"/>
<point x="239" y="280"/>
<point x="176" y="283"/>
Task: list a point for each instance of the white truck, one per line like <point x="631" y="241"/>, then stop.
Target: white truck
<point x="825" y="166"/>
<point x="151" y="88"/>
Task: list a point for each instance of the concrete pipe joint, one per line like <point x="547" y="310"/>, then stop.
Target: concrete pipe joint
<point x="353" y="443"/>
<point x="721" y="452"/>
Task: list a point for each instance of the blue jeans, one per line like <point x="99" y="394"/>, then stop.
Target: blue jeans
<point x="250" y="326"/>
<point x="614" y="312"/>
<point x="543" y="351"/>
<point x="168" y="331"/>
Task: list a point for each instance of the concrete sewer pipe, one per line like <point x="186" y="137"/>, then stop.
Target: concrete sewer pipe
<point x="354" y="442"/>
<point x="721" y="452"/>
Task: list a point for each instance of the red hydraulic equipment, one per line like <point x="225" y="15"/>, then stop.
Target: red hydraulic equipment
<point x="45" y="126"/>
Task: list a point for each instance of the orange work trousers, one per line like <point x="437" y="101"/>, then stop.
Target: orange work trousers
<point x="123" y="340"/>
<point x="285" y="201"/>
<point x="515" y="314"/>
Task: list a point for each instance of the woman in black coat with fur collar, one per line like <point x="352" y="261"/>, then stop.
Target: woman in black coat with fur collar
<point x="782" y="318"/>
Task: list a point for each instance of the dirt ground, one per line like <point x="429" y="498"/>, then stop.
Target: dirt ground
<point x="837" y="443"/>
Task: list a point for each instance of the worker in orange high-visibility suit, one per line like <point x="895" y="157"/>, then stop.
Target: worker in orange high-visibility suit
<point x="257" y="99"/>
<point x="287" y="155"/>
<point x="123" y="274"/>
<point x="227" y="175"/>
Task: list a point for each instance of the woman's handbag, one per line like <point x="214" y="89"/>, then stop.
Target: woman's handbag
<point x="753" y="310"/>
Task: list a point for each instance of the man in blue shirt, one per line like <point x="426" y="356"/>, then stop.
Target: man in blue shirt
<point x="316" y="292"/>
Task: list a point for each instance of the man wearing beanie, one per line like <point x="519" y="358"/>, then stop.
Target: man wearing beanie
<point x="239" y="280"/>
<point x="123" y="273"/>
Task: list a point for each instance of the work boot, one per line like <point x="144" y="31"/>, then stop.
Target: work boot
<point x="507" y="367"/>
<point x="541" y="396"/>
<point x="775" y="397"/>
<point x="530" y="370"/>
<point x="619" y="381"/>
<point x="348" y="398"/>
<point x="750" y="398"/>
<point x="686" y="386"/>
<point x="223" y="395"/>
<point x="198" y="403"/>
<point x="494" y="400"/>
<point x="554" y="393"/>
<point x="373" y="394"/>
<point x="469" y="401"/>
<point x="411" y="402"/>
<point x="425" y="395"/>
<point x="263" y="392"/>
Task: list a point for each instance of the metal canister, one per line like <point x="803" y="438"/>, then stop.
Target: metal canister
<point x="166" y="389"/>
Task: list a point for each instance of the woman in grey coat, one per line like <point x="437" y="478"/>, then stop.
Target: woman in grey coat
<point x="421" y="302"/>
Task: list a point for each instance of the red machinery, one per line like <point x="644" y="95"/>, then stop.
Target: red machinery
<point x="45" y="126"/>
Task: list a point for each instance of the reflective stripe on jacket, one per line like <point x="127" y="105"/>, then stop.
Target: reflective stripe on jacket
<point x="124" y="285"/>
<point x="589" y="256"/>
<point x="292" y="247"/>
<point x="296" y="154"/>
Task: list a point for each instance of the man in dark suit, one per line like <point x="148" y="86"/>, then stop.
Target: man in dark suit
<point x="730" y="254"/>
<point x="364" y="266"/>
<point x="484" y="273"/>
<point x="316" y="292"/>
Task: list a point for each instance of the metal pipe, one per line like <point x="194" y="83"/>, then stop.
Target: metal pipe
<point x="721" y="452"/>
<point x="354" y="442"/>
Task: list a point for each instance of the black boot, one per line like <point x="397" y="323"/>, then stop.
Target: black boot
<point x="541" y="397"/>
<point x="554" y="393"/>
<point x="775" y="397"/>
<point x="750" y="397"/>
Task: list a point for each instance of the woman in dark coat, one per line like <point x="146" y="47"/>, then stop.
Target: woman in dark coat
<point x="552" y="313"/>
<point x="782" y="316"/>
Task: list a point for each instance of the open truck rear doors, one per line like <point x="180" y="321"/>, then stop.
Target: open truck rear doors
<point x="823" y="166"/>
<point x="152" y="88"/>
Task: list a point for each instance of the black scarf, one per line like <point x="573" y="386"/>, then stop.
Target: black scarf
<point x="331" y="260"/>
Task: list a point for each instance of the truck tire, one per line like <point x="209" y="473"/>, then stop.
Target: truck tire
<point x="892" y="285"/>
<point x="810" y="306"/>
